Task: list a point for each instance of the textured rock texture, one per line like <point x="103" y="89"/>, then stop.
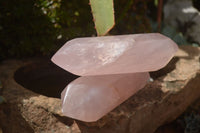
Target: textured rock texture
<point x="174" y="88"/>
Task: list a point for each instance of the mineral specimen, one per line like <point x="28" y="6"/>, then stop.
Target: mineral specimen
<point x="115" y="54"/>
<point x="89" y="98"/>
<point x="113" y="69"/>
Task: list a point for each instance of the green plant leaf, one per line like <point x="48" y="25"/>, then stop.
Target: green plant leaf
<point x="156" y="2"/>
<point x="103" y="14"/>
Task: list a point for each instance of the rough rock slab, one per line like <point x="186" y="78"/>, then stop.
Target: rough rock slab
<point x="175" y="87"/>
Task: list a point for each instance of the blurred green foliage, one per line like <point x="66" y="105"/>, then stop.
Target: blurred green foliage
<point x="40" y="27"/>
<point x="24" y="29"/>
<point x="2" y="99"/>
<point x="132" y="16"/>
<point x="35" y="27"/>
<point x="192" y="123"/>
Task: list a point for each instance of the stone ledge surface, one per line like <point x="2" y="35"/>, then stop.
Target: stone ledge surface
<point x="174" y="88"/>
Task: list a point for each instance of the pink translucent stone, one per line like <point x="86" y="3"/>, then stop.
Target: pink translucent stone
<point x="113" y="69"/>
<point x="115" y="54"/>
<point x="91" y="97"/>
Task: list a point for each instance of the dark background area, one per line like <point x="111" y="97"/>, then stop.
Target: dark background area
<point x="39" y="27"/>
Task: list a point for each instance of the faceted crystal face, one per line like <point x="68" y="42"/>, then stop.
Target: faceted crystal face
<point x="115" y="54"/>
<point x="89" y="98"/>
<point x="113" y="69"/>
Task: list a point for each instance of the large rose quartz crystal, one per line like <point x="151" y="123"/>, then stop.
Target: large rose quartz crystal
<point x="115" y="54"/>
<point x="89" y="98"/>
<point x="113" y="69"/>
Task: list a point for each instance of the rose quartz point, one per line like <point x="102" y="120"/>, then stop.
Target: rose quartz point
<point x="91" y="97"/>
<point x="115" y="54"/>
<point x="113" y="69"/>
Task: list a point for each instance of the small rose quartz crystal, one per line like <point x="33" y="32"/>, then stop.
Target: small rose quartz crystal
<point x="88" y="98"/>
<point x="115" y="54"/>
<point x="113" y="69"/>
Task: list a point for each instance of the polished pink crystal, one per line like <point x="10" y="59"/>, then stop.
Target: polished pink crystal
<point x="113" y="69"/>
<point x="115" y="54"/>
<point x="89" y="98"/>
